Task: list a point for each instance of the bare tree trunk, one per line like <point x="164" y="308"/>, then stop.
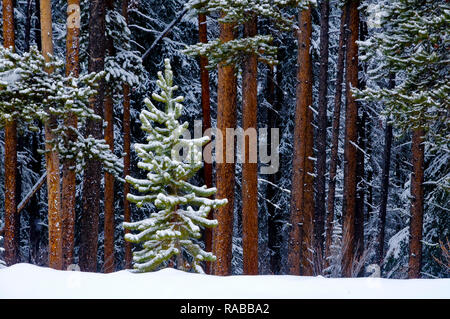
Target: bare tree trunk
<point x="206" y="112"/>
<point x="226" y="118"/>
<point x="301" y="234"/>
<point x="92" y="173"/>
<point x="127" y="150"/>
<point x="109" y="178"/>
<point x="275" y="99"/>
<point x="11" y="217"/>
<point x="416" y="225"/>
<point x="68" y="173"/>
<point x="351" y="135"/>
<point x="52" y="157"/>
<point x="335" y="134"/>
<point x="322" y="127"/>
<point x="250" y="169"/>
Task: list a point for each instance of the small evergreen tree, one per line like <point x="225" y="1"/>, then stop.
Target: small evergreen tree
<point x="172" y="229"/>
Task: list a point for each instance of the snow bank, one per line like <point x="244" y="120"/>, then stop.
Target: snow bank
<point x="29" y="281"/>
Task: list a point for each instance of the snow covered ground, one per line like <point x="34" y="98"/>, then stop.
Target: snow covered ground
<point x="29" y="281"/>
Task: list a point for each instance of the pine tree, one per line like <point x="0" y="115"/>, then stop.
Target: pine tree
<point x="170" y="232"/>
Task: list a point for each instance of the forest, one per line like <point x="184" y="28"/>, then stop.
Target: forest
<point x="314" y="135"/>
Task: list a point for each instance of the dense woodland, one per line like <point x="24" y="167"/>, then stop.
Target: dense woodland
<point x="358" y="89"/>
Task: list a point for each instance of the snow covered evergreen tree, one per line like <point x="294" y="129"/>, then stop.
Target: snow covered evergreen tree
<point x="172" y="229"/>
<point x="30" y="94"/>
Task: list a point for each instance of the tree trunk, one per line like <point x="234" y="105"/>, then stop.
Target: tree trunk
<point x="127" y="150"/>
<point x="335" y="133"/>
<point x="68" y="173"/>
<point x="249" y="169"/>
<point x="52" y="157"/>
<point x="360" y="170"/>
<point x="322" y="127"/>
<point x="384" y="184"/>
<point x="11" y="241"/>
<point x="302" y="210"/>
<point x="351" y="135"/>
<point x="416" y="225"/>
<point x="206" y="124"/>
<point x="226" y="118"/>
<point x="109" y="178"/>
<point x="92" y="173"/>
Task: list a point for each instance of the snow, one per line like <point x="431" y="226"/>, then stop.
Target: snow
<point x="30" y="281"/>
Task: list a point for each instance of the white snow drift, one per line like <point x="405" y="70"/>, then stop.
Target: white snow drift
<point x="29" y="281"/>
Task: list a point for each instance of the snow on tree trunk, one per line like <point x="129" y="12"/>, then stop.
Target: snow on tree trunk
<point x="52" y="158"/>
<point x="68" y="172"/>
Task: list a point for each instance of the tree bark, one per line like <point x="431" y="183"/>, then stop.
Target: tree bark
<point x="68" y="171"/>
<point x="302" y="209"/>
<point x="92" y="173"/>
<point x="335" y="133"/>
<point x="249" y="169"/>
<point x="226" y="118"/>
<point x="127" y="150"/>
<point x="109" y="178"/>
<point x="275" y="99"/>
<point x="52" y="157"/>
<point x="11" y="241"/>
<point x="351" y="135"/>
<point x="206" y="124"/>
<point x="322" y="127"/>
<point x="360" y="170"/>
<point x="416" y="223"/>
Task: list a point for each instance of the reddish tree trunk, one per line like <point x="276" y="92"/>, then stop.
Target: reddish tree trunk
<point x="416" y="223"/>
<point x="52" y="158"/>
<point x="109" y="178"/>
<point x="226" y="118"/>
<point x="11" y="217"/>
<point x="249" y="169"/>
<point x="68" y="173"/>
<point x="92" y="173"/>
<point x="302" y="199"/>
<point x="351" y="135"/>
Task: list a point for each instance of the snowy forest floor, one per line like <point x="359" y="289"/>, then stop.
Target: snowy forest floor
<point x="29" y="281"/>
